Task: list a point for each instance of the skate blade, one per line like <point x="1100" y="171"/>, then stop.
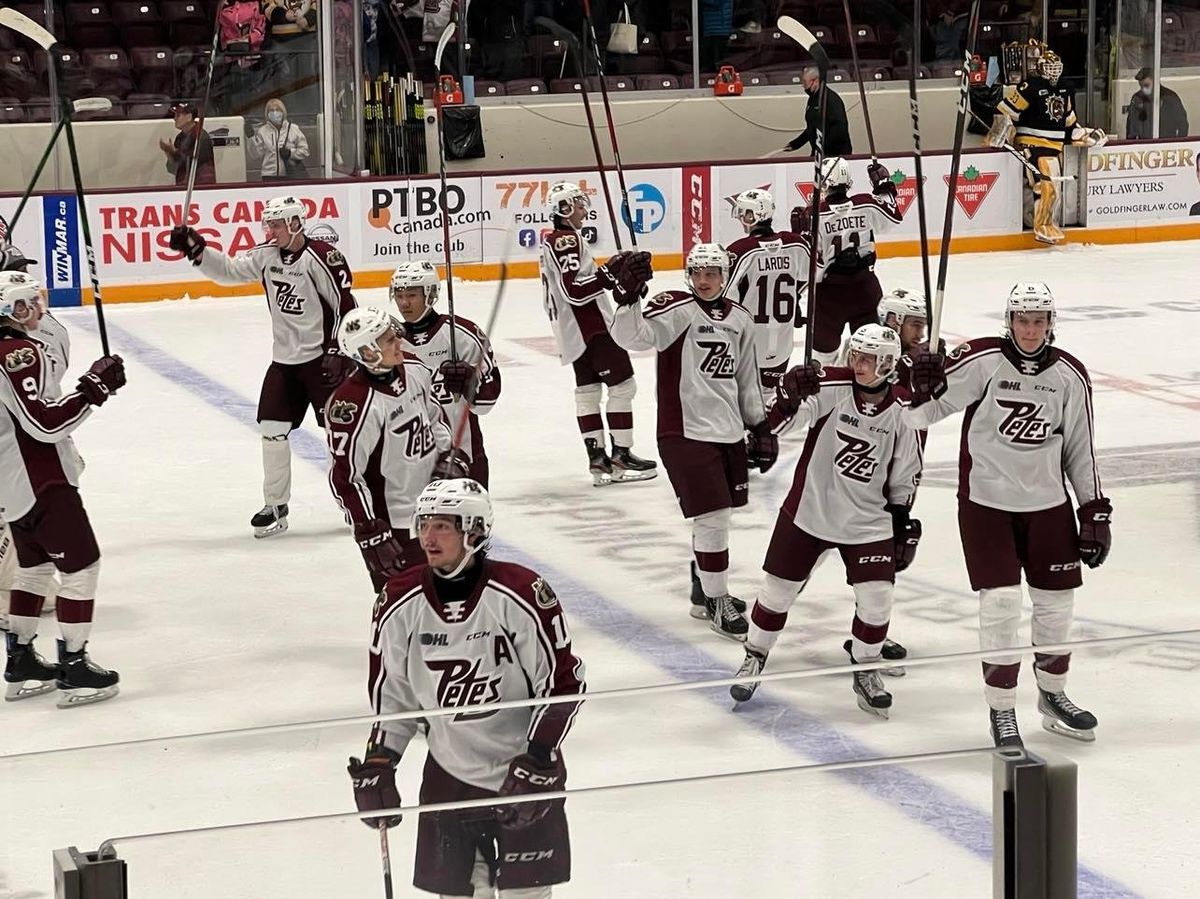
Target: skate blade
<point x="17" y="692"/>
<point x="699" y="612"/>
<point x="72" y="698"/>
<point x="742" y="694"/>
<point x="736" y="638"/>
<point x="881" y="712"/>
<point x="601" y="479"/>
<point x="898" y="671"/>
<point x="1054" y="726"/>
<point x="626" y="475"/>
<point x="1048" y="239"/>
<point x="270" y="530"/>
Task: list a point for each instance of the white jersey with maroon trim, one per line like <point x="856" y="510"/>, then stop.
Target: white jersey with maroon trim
<point x="508" y="640"/>
<point x="56" y="350"/>
<point x="429" y="341"/>
<point x="708" y="387"/>
<point x="385" y="435"/>
<point x="846" y="234"/>
<point x="35" y="428"/>
<point x="859" y="456"/>
<point x="1027" y="423"/>
<point x="576" y="301"/>
<point x="769" y="277"/>
<point x="308" y="292"/>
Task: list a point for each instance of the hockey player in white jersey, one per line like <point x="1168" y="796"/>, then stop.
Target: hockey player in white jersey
<point x="466" y="379"/>
<point x="1027" y="429"/>
<point x="708" y="399"/>
<point x="39" y="498"/>
<point x="307" y="283"/>
<point x="854" y="484"/>
<point x="769" y="276"/>
<point x="576" y="297"/>
<point x="463" y="631"/>
<point x="388" y="437"/>
<point x="902" y="310"/>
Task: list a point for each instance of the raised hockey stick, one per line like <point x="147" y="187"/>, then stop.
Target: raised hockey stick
<point x="572" y="43"/>
<point x="914" y="63"/>
<point x="1021" y="158"/>
<point x="386" y="858"/>
<point x="81" y="200"/>
<point x="198" y="133"/>
<point x="447" y="34"/>
<point x="862" y="91"/>
<point x="626" y="212"/>
<point x="22" y="24"/>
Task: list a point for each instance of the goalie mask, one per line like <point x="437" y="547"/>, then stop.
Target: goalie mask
<point x="468" y="503"/>
<point x="1050" y="65"/>
<point x="565" y="197"/>
<point x="754" y="207"/>
<point x="1030" y="296"/>
<point x="416" y="275"/>
<point x="359" y="333"/>
<point x="20" y="297"/>
<point x="706" y="255"/>
<point x="881" y="342"/>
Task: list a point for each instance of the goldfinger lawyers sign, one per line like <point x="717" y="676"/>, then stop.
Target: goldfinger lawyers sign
<point x="1143" y="183"/>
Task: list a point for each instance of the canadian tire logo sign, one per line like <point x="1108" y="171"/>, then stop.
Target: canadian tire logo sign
<point x="972" y="189"/>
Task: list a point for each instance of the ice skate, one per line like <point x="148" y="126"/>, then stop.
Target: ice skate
<point x="1061" y="716"/>
<point x="599" y="465"/>
<point x="1004" y="729"/>
<point x="628" y="467"/>
<point x="1048" y="234"/>
<point x="81" y="680"/>
<point x="27" y="674"/>
<point x="868" y="688"/>
<point x="891" y="652"/>
<point x="753" y="664"/>
<point x="270" y="520"/>
<point x="699" y="606"/>
<point x="724" y="617"/>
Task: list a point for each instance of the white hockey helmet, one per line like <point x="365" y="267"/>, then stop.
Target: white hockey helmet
<point x="706" y="255"/>
<point x="881" y="342"/>
<point x="359" y="330"/>
<point x="417" y="274"/>
<point x="835" y="173"/>
<point x="285" y="209"/>
<point x="465" y="500"/>
<point x="754" y="206"/>
<point x="1030" y="296"/>
<point x="17" y="288"/>
<point x="902" y="303"/>
<point x="564" y="197"/>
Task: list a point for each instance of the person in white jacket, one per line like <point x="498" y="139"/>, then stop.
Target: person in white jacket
<point x="279" y="146"/>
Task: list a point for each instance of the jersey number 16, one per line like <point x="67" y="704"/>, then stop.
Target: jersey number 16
<point x="776" y="298"/>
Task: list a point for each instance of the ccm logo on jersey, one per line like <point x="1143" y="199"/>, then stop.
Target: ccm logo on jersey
<point x="342" y="412"/>
<point x="566" y="242"/>
<point x="19" y="359"/>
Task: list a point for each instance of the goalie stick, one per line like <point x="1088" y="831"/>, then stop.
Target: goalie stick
<point x="447" y="34"/>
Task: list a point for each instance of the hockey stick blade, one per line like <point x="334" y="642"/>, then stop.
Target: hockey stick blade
<point x="22" y="24"/>
<point x="805" y="38"/>
<point x="91" y="104"/>
<point x="447" y="34"/>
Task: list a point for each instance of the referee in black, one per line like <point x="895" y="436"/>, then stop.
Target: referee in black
<point x="837" y="128"/>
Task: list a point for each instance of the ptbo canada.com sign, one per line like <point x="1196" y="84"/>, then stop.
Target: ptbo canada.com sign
<point x="1149" y="184"/>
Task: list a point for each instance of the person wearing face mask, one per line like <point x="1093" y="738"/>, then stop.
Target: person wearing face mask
<point x="280" y="146"/>
<point x="1172" y="117"/>
<point x="837" y="127"/>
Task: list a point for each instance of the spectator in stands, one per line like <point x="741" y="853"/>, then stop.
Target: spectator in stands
<point x="532" y="10"/>
<point x="243" y="30"/>
<point x="950" y="34"/>
<point x="290" y="18"/>
<point x="837" y="127"/>
<point x="279" y="146"/>
<point x="179" y="154"/>
<point x="1172" y="117"/>
<point x="716" y="24"/>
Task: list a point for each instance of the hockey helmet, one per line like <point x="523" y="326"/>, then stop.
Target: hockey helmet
<point x="881" y="342"/>
<point x="361" y="329"/>
<point x="465" y="500"/>
<point x="706" y="255"/>
<point x="18" y="288"/>
<point x="1050" y="65"/>
<point x="754" y="206"/>
<point x="1030" y="296"/>
<point x="413" y="275"/>
<point x="285" y="209"/>
<point x="564" y="197"/>
<point x="835" y="174"/>
<point x="902" y="303"/>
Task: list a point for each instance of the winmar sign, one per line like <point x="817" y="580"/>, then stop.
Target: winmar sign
<point x="415" y="209"/>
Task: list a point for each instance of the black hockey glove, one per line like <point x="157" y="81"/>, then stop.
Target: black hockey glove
<point x="1095" y="535"/>
<point x="639" y="268"/>
<point x="453" y="463"/>
<point x="797" y="384"/>
<point x="285" y="154"/>
<point x="374" y="781"/>
<point x="457" y="375"/>
<point x="380" y="549"/>
<point x="879" y="174"/>
<point x="801" y="221"/>
<point x="928" y="377"/>
<point x="187" y="241"/>
<point x="762" y="447"/>
<point x="105" y="377"/>
<point x="610" y="273"/>
<point x="907" y="533"/>
<point x="335" y="367"/>
<point x="528" y="774"/>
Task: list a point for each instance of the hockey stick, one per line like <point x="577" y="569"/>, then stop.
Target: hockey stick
<point x="22" y="24"/>
<point x="1021" y="158"/>
<point x="862" y="91"/>
<point x="935" y="309"/>
<point x="81" y="200"/>
<point x="626" y="212"/>
<point x="913" y="63"/>
<point x="198" y="132"/>
<point x="572" y="43"/>
<point x="447" y="33"/>
<point x="386" y="857"/>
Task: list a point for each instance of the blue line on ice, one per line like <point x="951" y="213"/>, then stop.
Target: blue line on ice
<point x="801" y="732"/>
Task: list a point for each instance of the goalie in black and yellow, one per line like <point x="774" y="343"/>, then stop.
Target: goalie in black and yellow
<point x="1043" y="114"/>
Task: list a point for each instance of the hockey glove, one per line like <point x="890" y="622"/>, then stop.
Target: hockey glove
<point x="1095" y="536"/>
<point x="801" y="221"/>
<point x="187" y="241"/>
<point x="798" y="384"/>
<point x="928" y="377"/>
<point x="907" y="533"/>
<point x="639" y="268"/>
<point x="285" y="154"/>
<point x="453" y="463"/>
<point x="878" y="174"/>
<point x="380" y="549"/>
<point x="762" y="447"/>
<point x="529" y="775"/>
<point x="374" y="782"/>
<point x="335" y="368"/>
<point x="610" y="273"/>
<point x="457" y="376"/>
<point x="105" y="377"/>
<point x="628" y="297"/>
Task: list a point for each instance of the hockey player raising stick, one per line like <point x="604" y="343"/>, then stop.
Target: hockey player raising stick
<point x="1028" y="423"/>
<point x="308" y="291"/>
<point x="849" y="293"/>
<point x="388" y="438"/>
<point x="503" y="636"/>
<point x="39" y="497"/>
<point x="580" y="312"/>
<point x="768" y="277"/>
<point x="855" y="481"/>
<point x="468" y="385"/>
<point x="708" y="398"/>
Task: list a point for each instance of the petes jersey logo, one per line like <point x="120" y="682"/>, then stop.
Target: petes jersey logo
<point x="289" y="302"/>
<point x="854" y="459"/>
<point x="717" y="362"/>
<point x="460" y="684"/>
<point x="1023" y="424"/>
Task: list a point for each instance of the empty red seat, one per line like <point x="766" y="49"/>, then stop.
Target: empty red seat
<point x="110" y="70"/>
<point x="154" y="69"/>
<point x="17" y="77"/>
<point x="11" y="110"/>
<point x="90" y="25"/>
<point x="838" y="76"/>
<point x="186" y="21"/>
<point x="755" y="79"/>
<point x="902" y="73"/>
<point x="489" y="89"/>
<point x="619" y="83"/>
<point x="148" y="106"/>
<point x="657" y="82"/>
<point x="794" y="76"/>
<point x="946" y="70"/>
<point x="565" y="85"/>
<point x="525" y="86"/>
<point x="139" y="23"/>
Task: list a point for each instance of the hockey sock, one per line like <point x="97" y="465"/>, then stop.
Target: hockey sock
<point x="587" y="412"/>
<point x="1053" y="612"/>
<point x="873" y="610"/>
<point x="999" y="619"/>
<point x="29" y="589"/>
<point x="75" y="605"/>
<point x="710" y="545"/>
<point x="619" y="412"/>
<point x="277" y="462"/>
<point x="770" y="611"/>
